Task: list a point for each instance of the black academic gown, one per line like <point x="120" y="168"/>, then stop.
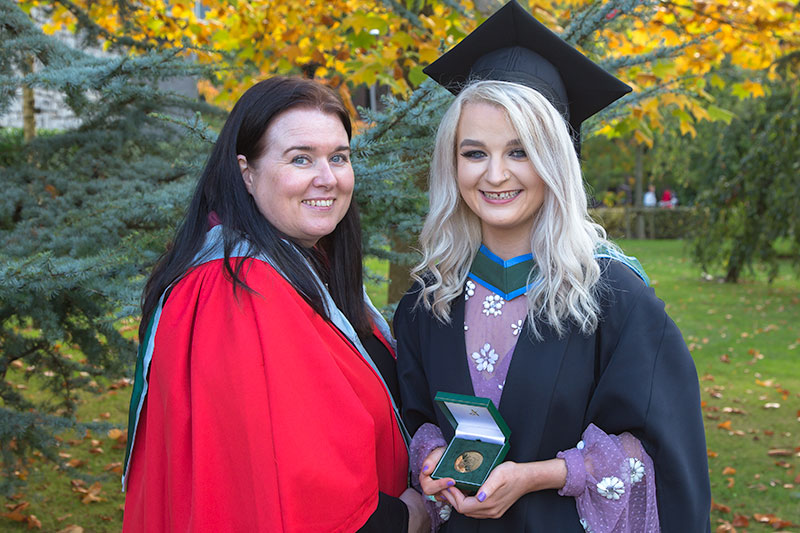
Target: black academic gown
<point x="634" y="373"/>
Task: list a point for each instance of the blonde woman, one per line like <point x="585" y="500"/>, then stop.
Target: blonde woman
<point x="520" y="298"/>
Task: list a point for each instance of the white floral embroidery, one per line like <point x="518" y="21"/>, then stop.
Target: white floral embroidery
<point x="580" y="445"/>
<point x="444" y="512"/>
<point x="486" y="359"/>
<point x="636" y="469"/>
<point x="516" y="327"/>
<point x="611" y="487"/>
<point x="466" y="327"/>
<point x="470" y="290"/>
<point x="585" y="525"/>
<point x="493" y="304"/>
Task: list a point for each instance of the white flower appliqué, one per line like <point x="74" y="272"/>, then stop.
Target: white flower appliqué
<point x="485" y="360"/>
<point x="636" y="469"/>
<point x="516" y="327"/>
<point x="470" y="290"/>
<point x="493" y="304"/>
<point x="585" y="525"/>
<point x="611" y="487"/>
<point x="444" y="512"/>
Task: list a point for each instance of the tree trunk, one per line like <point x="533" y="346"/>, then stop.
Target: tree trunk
<point x="638" y="175"/>
<point x="399" y="280"/>
<point x="28" y="107"/>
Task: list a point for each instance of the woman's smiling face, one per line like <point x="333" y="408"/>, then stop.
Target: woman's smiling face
<point x="303" y="181"/>
<point x="495" y="177"/>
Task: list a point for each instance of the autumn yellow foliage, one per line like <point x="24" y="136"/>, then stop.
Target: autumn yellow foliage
<point x="353" y="42"/>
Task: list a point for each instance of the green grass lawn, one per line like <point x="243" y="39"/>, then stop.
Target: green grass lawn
<point x="745" y="339"/>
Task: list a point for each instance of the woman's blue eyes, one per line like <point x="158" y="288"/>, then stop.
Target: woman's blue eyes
<point x="518" y="153"/>
<point x="305" y="160"/>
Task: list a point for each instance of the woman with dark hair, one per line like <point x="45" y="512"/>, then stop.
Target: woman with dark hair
<point x="521" y="299"/>
<point x="265" y="381"/>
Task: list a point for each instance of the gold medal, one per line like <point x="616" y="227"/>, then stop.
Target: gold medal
<point x="468" y="462"/>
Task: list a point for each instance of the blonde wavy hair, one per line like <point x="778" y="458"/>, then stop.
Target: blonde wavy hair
<point x="564" y="237"/>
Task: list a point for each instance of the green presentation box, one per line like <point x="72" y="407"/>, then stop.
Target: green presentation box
<point x="480" y="442"/>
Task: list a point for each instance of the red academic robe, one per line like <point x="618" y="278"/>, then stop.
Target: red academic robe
<point x="260" y="416"/>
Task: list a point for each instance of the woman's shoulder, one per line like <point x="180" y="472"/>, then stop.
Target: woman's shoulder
<point x="622" y="291"/>
<point x="620" y="275"/>
<point x="214" y="278"/>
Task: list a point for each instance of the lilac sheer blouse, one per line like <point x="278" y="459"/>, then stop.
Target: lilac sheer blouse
<point x="611" y="477"/>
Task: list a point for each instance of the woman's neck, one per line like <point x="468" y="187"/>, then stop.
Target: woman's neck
<point x="507" y="249"/>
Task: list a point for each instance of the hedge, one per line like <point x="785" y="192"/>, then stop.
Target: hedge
<point x="656" y="222"/>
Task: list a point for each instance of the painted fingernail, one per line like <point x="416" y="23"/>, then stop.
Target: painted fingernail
<point x="425" y="468"/>
<point x="481" y="496"/>
<point x="451" y="483"/>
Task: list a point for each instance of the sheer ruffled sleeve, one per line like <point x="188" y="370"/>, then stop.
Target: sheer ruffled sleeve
<point x="612" y="480"/>
<point x="427" y="438"/>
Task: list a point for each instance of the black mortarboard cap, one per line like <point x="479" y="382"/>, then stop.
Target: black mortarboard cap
<point x="512" y="45"/>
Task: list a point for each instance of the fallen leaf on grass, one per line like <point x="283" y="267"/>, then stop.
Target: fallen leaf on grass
<point x="740" y="521"/>
<point x="725" y="527"/>
<point x="97" y="450"/>
<point x="75" y="463"/>
<point x="119" y="384"/>
<point x="72" y="528"/>
<point x="780" y="452"/>
<point x="728" y="470"/>
<point x="17" y="506"/>
<point x="62" y="518"/>
<point x="783" y="464"/>
<point x="15" y="516"/>
<point x="712" y="454"/>
<point x="734" y="410"/>
<point x="774" y="521"/>
<point x="724" y="425"/>
<point x="772" y="405"/>
<point x="731" y="482"/>
<point x="720" y="507"/>
<point x="115" y="467"/>
<point x="33" y="522"/>
<point x="92" y="494"/>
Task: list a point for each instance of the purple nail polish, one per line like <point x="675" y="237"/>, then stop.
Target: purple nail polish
<point x="451" y="483"/>
<point x="481" y="496"/>
<point x="425" y="468"/>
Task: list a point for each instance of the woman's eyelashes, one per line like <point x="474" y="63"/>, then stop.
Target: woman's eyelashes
<point x="301" y="160"/>
<point x="516" y="153"/>
<point x="339" y="159"/>
<point x="473" y="154"/>
<point x="335" y="159"/>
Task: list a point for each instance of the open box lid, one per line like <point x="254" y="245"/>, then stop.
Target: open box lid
<point x="473" y="418"/>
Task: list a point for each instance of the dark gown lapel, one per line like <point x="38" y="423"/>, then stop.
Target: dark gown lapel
<point x="528" y="390"/>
